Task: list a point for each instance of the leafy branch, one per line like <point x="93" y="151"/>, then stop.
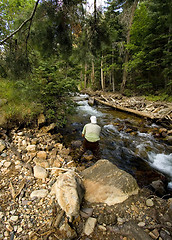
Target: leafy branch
<point x="21" y="26"/>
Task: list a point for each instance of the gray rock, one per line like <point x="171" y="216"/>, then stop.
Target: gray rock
<point x="159" y="187"/>
<point x="105" y="183"/>
<point x="86" y="212"/>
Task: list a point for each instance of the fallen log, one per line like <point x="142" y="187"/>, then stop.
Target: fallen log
<point x="129" y="110"/>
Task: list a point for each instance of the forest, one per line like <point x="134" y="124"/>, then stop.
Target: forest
<point x="50" y="49"/>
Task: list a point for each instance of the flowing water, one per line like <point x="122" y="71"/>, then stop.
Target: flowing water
<point x="126" y="140"/>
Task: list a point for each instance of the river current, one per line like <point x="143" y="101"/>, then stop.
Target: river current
<point x="126" y="140"/>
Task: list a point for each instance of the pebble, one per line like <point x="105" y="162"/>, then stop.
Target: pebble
<point x="101" y="227"/>
<point x="40" y="172"/>
<point x="3" y="155"/>
<point x="141" y="224"/>
<point x="14" y="218"/>
<point x="149" y="203"/>
<point x="1" y="215"/>
<point x="19" y="230"/>
<point x="39" y="193"/>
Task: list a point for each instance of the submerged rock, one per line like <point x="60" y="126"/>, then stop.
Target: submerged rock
<point x="105" y="183"/>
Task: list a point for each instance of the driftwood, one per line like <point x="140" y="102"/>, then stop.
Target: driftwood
<point x="129" y="110"/>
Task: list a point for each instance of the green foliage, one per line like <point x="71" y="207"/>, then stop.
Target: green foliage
<point x="20" y="106"/>
<point x="149" y="47"/>
<point x="51" y="87"/>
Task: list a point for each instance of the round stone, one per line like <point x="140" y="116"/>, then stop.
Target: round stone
<point x="149" y="203"/>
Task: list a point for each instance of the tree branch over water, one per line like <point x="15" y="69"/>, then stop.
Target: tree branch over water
<point x="21" y="26"/>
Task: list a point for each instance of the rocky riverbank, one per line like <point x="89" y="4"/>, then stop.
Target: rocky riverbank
<point x="31" y="160"/>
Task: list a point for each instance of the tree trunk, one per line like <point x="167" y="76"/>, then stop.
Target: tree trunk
<point x="95" y="10"/>
<point x="112" y="73"/>
<point x="102" y="75"/>
<point x="85" y="76"/>
<point x="93" y="74"/>
<point x="124" y="79"/>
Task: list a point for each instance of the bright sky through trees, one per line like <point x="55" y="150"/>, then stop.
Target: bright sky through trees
<point x="90" y="5"/>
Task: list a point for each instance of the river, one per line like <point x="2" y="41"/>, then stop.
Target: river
<point x="126" y="140"/>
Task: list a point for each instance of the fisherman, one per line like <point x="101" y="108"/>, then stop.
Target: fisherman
<point x="91" y="134"/>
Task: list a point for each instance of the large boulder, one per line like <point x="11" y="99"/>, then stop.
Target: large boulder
<point x="69" y="193"/>
<point x="105" y="183"/>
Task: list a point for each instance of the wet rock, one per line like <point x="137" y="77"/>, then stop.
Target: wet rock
<point x="91" y="101"/>
<point x="132" y="230"/>
<point x="90" y="225"/>
<point x="165" y="235"/>
<point x="159" y="187"/>
<point x="39" y="193"/>
<point x="108" y="219"/>
<point x="69" y="193"/>
<point x="105" y="183"/>
<point x="40" y="172"/>
<point x="86" y="212"/>
<point x="76" y="144"/>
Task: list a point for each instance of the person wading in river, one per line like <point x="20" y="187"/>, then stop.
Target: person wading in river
<point x="91" y="134"/>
